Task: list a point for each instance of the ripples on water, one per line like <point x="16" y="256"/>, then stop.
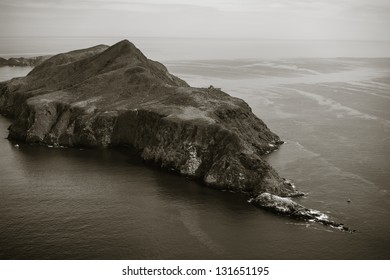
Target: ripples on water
<point x="102" y="204"/>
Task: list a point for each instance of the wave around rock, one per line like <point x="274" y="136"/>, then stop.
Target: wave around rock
<point x="288" y="207"/>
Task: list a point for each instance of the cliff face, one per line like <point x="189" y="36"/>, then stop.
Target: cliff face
<point x="115" y="96"/>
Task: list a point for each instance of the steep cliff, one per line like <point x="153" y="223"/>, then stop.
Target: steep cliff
<point x="115" y="96"/>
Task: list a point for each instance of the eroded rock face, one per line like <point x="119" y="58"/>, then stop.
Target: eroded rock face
<point x="115" y="96"/>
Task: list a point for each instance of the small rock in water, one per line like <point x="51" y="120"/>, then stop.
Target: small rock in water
<point x="16" y="145"/>
<point x="349" y="201"/>
<point x="288" y="207"/>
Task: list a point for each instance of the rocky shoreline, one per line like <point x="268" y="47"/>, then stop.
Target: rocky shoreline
<point x="287" y="207"/>
<point x="104" y="97"/>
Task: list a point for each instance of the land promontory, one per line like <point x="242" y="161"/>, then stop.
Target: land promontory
<point x="104" y="97"/>
<point x="115" y="96"/>
<point x="23" y="61"/>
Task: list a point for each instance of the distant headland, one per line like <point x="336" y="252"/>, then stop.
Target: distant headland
<point x="23" y="61"/>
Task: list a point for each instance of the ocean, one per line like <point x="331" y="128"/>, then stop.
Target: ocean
<point x="330" y="102"/>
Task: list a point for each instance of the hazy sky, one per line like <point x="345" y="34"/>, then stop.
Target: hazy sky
<point x="267" y="19"/>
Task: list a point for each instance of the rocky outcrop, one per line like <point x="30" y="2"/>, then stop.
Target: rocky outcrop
<point x="23" y="61"/>
<point x="114" y="96"/>
<point x="286" y="206"/>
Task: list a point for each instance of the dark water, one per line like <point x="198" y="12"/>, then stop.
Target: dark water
<point x="102" y="204"/>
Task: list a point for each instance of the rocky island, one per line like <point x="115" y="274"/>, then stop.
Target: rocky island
<point x="114" y="96"/>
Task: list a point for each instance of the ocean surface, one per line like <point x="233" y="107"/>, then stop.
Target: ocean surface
<point x="330" y="101"/>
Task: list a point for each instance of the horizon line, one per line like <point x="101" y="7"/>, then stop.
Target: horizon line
<point x="204" y="38"/>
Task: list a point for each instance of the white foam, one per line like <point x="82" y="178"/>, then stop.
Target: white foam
<point x="292" y="67"/>
<point x="335" y="106"/>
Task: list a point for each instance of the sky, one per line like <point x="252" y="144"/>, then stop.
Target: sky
<point x="263" y="19"/>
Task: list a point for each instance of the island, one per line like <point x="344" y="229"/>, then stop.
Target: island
<point x="106" y="97"/>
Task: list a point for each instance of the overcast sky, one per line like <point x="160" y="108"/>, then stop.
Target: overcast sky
<point x="266" y="19"/>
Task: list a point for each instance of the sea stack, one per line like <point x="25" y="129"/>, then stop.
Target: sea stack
<point x="114" y="96"/>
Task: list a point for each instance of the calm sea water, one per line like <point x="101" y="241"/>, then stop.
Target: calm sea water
<point x="102" y="204"/>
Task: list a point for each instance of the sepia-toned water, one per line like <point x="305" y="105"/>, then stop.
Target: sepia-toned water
<point x="333" y="112"/>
